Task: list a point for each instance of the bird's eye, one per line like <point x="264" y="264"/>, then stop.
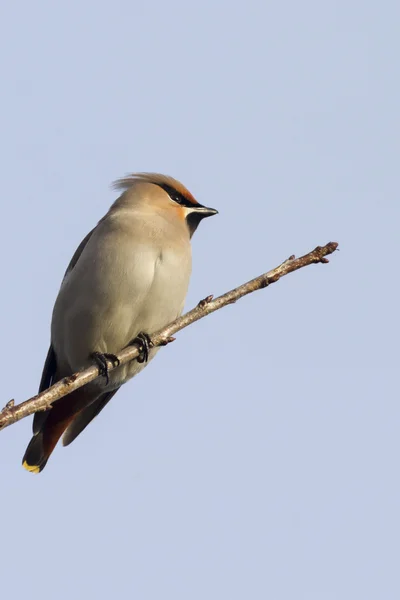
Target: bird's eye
<point x="176" y="196"/>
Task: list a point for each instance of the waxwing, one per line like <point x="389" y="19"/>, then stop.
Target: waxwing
<point x="128" y="278"/>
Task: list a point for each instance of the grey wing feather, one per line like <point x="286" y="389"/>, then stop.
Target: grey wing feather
<point x="86" y="415"/>
<point x="50" y="365"/>
<point x="49" y="371"/>
<point x="78" y="252"/>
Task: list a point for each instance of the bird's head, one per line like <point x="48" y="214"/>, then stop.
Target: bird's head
<point x="164" y="193"/>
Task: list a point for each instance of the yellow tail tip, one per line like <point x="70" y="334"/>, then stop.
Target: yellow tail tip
<point x="31" y="468"/>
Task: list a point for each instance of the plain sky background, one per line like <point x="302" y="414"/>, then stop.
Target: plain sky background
<point x="258" y="456"/>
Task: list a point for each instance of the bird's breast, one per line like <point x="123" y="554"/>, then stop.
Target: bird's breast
<point x="162" y="303"/>
<point x="115" y="291"/>
<point x="168" y="289"/>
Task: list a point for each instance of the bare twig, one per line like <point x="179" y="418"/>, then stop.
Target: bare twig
<point x="12" y="413"/>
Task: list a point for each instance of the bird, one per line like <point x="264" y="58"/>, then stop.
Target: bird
<point x="128" y="278"/>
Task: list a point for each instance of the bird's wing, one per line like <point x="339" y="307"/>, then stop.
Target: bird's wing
<point x="47" y="380"/>
<point x="78" y="252"/>
<point x="49" y="370"/>
<point x="50" y="365"/>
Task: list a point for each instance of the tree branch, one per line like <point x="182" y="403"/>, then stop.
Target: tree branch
<point x="12" y="413"/>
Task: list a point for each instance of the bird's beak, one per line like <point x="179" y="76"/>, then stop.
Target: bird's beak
<point x="196" y="213"/>
<point x="204" y="211"/>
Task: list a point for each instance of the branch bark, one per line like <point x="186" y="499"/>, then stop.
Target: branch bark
<point x="12" y="413"/>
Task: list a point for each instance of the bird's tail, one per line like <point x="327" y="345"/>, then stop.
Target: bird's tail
<point x="52" y="427"/>
<point x="35" y="458"/>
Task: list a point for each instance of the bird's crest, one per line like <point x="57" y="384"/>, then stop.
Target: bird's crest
<point x="164" y="181"/>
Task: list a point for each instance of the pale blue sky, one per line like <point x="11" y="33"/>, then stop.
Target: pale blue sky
<point x="258" y="456"/>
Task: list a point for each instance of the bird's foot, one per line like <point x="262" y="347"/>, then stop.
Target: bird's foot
<point x="101" y="361"/>
<point x="144" y="344"/>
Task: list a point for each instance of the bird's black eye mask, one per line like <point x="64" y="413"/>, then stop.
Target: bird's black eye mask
<point x="176" y="196"/>
<point x="198" y="212"/>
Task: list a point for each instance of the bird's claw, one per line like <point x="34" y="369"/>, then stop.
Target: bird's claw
<point x="101" y="361"/>
<point x="143" y="341"/>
